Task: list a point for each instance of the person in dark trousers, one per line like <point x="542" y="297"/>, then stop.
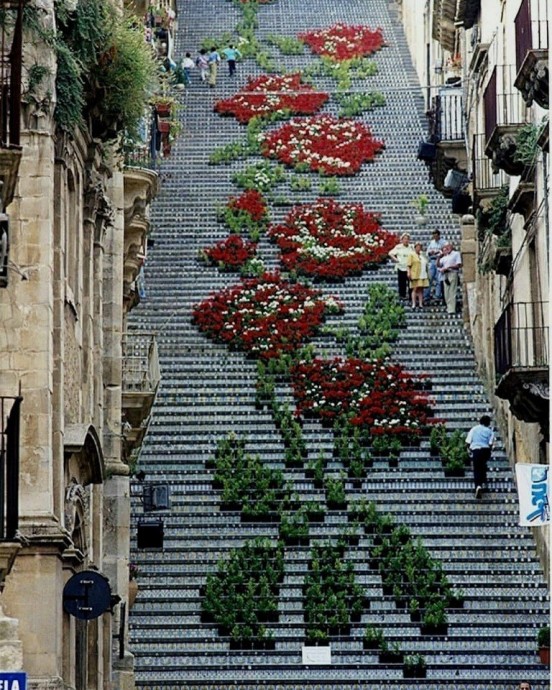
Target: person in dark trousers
<point x="231" y="54"/>
<point x="480" y="439"/>
<point x="400" y="254"/>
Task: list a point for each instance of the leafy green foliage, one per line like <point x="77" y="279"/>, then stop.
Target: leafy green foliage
<point x="287" y="45"/>
<point x="357" y="103"/>
<point x="69" y="89"/>
<point x="242" y="595"/>
<point x="124" y="76"/>
<point x="379" y="325"/>
<point x="343" y="71"/>
<point x="261" y="176"/>
<point x="331" y="593"/>
<point x="246" y="483"/>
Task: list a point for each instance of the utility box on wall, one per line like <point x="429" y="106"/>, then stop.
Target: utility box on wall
<point x="150" y="535"/>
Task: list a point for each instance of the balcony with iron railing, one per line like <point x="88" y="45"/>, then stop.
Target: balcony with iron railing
<point x="505" y="112"/>
<point x="9" y="482"/>
<point x="486" y="181"/>
<point x="446" y="130"/>
<point x="521" y="347"/>
<point x="531" y="28"/>
<point x="141" y="377"/>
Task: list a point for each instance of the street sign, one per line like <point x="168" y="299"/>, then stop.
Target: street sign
<point x="86" y="595"/>
<point x="13" y="681"/>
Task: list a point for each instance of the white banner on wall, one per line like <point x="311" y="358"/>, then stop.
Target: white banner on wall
<point x="533" y="482"/>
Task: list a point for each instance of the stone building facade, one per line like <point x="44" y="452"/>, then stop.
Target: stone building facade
<point x="75" y="236"/>
<point x="484" y="70"/>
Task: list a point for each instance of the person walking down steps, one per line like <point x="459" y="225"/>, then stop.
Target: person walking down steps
<point x="213" y="60"/>
<point x="480" y="439"/>
<point x="231" y="54"/>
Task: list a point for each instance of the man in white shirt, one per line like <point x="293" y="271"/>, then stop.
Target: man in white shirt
<point x="480" y="440"/>
<point x="434" y="251"/>
<point x="448" y="266"/>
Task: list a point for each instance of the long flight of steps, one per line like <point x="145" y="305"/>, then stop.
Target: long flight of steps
<point x="208" y="392"/>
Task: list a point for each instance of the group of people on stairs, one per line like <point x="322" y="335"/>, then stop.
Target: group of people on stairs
<point x="207" y="62"/>
<point x="426" y="277"/>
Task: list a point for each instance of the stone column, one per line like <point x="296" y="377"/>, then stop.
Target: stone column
<point x="467" y="249"/>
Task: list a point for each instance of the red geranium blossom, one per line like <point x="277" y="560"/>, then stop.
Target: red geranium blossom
<point x="330" y="145"/>
<point x="252" y="202"/>
<point x="331" y="240"/>
<point x="232" y="252"/>
<point x="380" y="395"/>
<point x="267" y="94"/>
<point x="264" y="316"/>
<point x="343" y="42"/>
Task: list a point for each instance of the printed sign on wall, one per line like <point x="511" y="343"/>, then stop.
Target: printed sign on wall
<point x="534" y="494"/>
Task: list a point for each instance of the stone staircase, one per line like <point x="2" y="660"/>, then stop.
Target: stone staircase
<point x="208" y="392"/>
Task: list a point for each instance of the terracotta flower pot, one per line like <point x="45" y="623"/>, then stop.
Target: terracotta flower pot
<point x="163" y="109"/>
<point x="544" y="655"/>
<point x="132" y="592"/>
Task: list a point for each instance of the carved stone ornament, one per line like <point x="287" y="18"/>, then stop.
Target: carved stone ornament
<point x="75" y="495"/>
<point x="538" y="389"/>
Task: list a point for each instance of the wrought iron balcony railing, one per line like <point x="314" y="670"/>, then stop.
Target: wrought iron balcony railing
<point x="521" y="337"/>
<point x="486" y="182"/>
<point x="447" y="121"/>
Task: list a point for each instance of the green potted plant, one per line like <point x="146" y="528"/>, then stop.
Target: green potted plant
<point x="421" y="204"/>
<point x="437" y="438"/>
<point x="415" y="611"/>
<point x="373" y="638"/>
<point x="392" y="654"/>
<point x="543" y="644"/>
<point x="434" y="621"/>
<point x="414" y="666"/>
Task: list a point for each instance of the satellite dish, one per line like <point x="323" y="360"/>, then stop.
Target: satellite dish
<point x="87" y="595"/>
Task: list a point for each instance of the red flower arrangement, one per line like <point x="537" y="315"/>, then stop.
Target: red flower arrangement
<point x="379" y="395"/>
<point x="331" y="240"/>
<point x="245" y="213"/>
<point x="264" y="316"/>
<point x="230" y="253"/>
<point x="329" y="145"/>
<point x="266" y="94"/>
<point x="251" y="202"/>
<point x="344" y="42"/>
